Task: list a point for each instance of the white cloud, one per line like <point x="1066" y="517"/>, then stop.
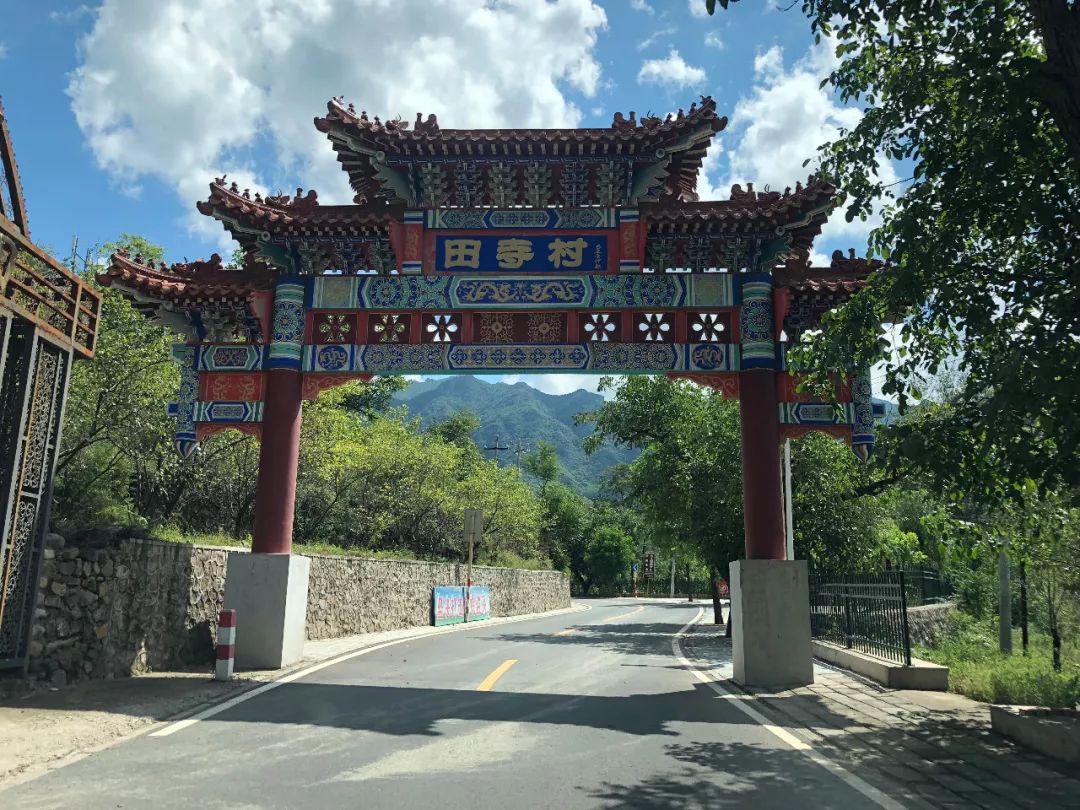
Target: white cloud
<point x="223" y="82"/>
<point x="781" y="124"/>
<point x="672" y="72"/>
<point x="707" y="187"/>
<point x="641" y="5"/>
<point x="655" y="36"/>
<point x="697" y="8"/>
<point x="712" y="40"/>
<point x="3" y="50"/>
<point x="71" y="15"/>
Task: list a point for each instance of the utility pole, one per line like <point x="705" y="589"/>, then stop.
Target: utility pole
<point x="787" y="500"/>
<point x="496" y="448"/>
<point x="519" y="448"/>
<point x="1004" y="602"/>
<point x="74" y="253"/>
<point x="474" y="527"/>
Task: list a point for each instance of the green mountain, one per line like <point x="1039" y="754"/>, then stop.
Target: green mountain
<point x="519" y="415"/>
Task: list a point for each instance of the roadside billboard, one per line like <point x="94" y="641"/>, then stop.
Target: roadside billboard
<point x="448" y="604"/>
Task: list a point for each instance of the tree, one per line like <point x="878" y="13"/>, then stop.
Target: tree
<point x="116" y="455"/>
<point x="609" y="556"/>
<point x="687" y="481"/>
<point x="543" y="465"/>
<point x="982" y="102"/>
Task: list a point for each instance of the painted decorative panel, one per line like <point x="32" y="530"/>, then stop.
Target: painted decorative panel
<point x="709" y="327"/>
<point x="623" y="291"/>
<point x="637" y="357"/>
<point x="523" y="218"/>
<point x="714" y="357"/>
<point x="519" y="327"/>
<point x="862" y="439"/>
<point x="519" y="357"/>
<point x="228" y="412"/>
<point x="240" y="357"/>
<point x="756" y="322"/>
<point x="333" y="327"/>
<point x="629" y="358"/>
<point x="816" y="413"/>
<point x="183" y="410"/>
<point x="654" y="327"/>
<point x="389" y="328"/>
<point x="441" y="328"/>
<point x="330" y="358"/>
<point x="288" y="326"/>
<point x="246" y="386"/>
<point x="602" y="327"/>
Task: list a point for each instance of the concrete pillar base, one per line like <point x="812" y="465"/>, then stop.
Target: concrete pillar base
<point x="770" y="623"/>
<point x="269" y="593"/>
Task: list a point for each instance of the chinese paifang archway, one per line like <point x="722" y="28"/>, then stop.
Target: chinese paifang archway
<point x="506" y="252"/>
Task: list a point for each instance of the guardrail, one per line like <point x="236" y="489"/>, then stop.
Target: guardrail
<point x="864" y="612"/>
<point x="38" y="288"/>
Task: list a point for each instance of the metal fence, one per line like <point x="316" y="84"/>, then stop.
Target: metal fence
<point x="925" y="587"/>
<point x="864" y="612"/>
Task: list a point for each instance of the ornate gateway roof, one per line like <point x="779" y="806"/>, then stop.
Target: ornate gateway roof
<point x="432" y="201"/>
<point x="427" y="166"/>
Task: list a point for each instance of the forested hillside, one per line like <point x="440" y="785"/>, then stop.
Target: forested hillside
<point x="520" y="416"/>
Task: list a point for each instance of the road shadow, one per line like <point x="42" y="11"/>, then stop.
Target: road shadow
<point x="728" y="774"/>
<point x="630" y="638"/>
<point x="405" y="710"/>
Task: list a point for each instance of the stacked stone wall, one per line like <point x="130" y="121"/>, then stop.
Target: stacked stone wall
<point x="348" y="595"/>
<point x="928" y="623"/>
<point x="124" y="608"/>
<point x="129" y="606"/>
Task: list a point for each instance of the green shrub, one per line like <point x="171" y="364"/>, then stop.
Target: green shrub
<point x="978" y="670"/>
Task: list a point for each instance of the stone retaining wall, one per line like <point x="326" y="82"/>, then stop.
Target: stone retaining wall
<point x="927" y="623"/>
<point x="119" y="608"/>
<point x="349" y="595"/>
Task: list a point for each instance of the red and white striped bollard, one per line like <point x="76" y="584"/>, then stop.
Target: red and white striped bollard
<point x="226" y="645"/>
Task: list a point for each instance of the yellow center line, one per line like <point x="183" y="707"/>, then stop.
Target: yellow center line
<point x="633" y="612"/>
<point x="500" y="670"/>
<point x="566" y="632"/>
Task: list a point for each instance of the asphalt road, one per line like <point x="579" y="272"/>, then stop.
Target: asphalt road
<point x="588" y="709"/>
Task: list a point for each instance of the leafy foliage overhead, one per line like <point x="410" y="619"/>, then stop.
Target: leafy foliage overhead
<point x="980" y="102"/>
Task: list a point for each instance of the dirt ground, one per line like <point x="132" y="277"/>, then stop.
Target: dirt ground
<point x="45" y="728"/>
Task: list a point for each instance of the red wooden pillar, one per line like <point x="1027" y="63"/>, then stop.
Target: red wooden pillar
<point x="275" y="497"/>
<point x="762" y="495"/>
<point x="763" y="520"/>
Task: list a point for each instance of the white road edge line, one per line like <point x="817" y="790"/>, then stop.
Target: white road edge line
<point x="205" y="714"/>
<point x="743" y="705"/>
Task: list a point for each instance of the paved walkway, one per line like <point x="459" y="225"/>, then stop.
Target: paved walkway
<point x="925" y="749"/>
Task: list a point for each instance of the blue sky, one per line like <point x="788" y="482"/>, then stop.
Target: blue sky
<point x="122" y="111"/>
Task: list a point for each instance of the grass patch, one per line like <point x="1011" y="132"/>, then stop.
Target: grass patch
<point x="979" y="671"/>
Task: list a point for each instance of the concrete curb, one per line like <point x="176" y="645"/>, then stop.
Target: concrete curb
<point x="921" y="675"/>
<point x="1044" y="730"/>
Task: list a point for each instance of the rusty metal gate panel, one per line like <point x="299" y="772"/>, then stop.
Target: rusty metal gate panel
<point x="32" y="386"/>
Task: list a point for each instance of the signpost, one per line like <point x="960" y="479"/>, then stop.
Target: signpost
<point x="649" y="568"/>
<point x="474" y="527"/>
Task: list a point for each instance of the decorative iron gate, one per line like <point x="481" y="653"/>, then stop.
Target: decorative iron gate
<point x="48" y="317"/>
<point x="32" y="388"/>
